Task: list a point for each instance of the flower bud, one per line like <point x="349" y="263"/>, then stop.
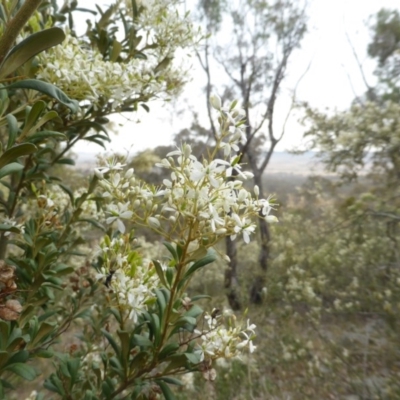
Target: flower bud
<point x="187" y="150"/>
<point x="129" y="173"/>
<point x="226" y="258"/>
<point x="215" y="101"/>
<point x="153" y="222"/>
<point x="98" y="173"/>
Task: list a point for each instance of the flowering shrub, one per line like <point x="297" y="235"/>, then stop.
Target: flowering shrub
<point x="136" y="326"/>
<point x="89" y="73"/>
<point x="76" y="285"/>
<point x="161" y="331"/>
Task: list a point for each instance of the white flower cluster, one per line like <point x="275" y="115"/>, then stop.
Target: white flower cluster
<point x="204" y="197"/>
<point x="82" y="73"/>
<point x="217" y="341"/>
<point x="166" y="24"/>
<point x="131" y="278"/>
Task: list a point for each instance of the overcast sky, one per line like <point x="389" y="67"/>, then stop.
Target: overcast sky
<point x="327" y="83"/>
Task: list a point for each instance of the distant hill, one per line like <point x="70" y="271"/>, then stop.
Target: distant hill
<point x="302" y="164"/>
<point x="281" y="163"/>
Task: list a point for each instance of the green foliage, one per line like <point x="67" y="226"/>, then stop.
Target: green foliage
<point x="385" y="48"/>
<point x="29" y="47"/>
<point x="111" y="323"/>
<point x="386" y="35"/>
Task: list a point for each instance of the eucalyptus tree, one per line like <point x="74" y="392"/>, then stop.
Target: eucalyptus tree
<point x="252" y="64"/>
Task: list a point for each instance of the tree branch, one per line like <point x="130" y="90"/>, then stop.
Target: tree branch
<point x="360" y="67"/>
<point x="206" y="67"/>
<point x="15" y="26"/>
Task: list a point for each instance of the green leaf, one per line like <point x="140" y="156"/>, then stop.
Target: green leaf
<point x="167" y="392"/>
<point x="201" y="263"/>
<point x="3" y="103"/>
<point x="4" y="356"/>
<point x="125" y="346"/>
<point x="44" y="331"/>
<point x="112" y="342"/>
<point x="176" y="361"/>
<point x="200" y="297"/>
<point x="233" y="105"/>
<point x="33" y="116"/>
<point x="73" y="369"/>
<point x="186" y="320"/>
<point x="193" y="358"/>
<point x="44" y="354"/>
<point x="168" y="349"/>
<point x="29" y="47"/>
<point x="12" y="130"/>
<point x="23" y="370"/>
<point x="90" y="124"/>
<point x="171" y="250"/>
<point x="17" y="151"/>
<point x="160" y="301"/>
<point x="54" y="384"/>
<point x="10" y="169"/>
<point x="44" y="135"/>
<point x="145" y="106"/>
<point x="167" y="294"/>
<point x="116" y="50"/>
<point x="107" y="388"/>
<point x="155" y="323"/>
<point x="47" y="89"/>
<point x="30" y="128"/>
<point x="179" y="250"/>
<point x="62" y="269"/>
<point x="194" y="311"/>
<point x="117" y="367"/>
<point x="138" y="362"/>
<point x="19" y="357"/>
<point x="170" y="276"/>
<point x="199" y="253"/>
<point x="94" y="222"/>
<point x="65" y="161"/>
<point x="197" y="265"/>
<point x="142" y="341"/>
<point x="68" y="191"/>
<point x="7" y="385"/>
<point x="160" y="272"/>
<point x="172" y="381"/>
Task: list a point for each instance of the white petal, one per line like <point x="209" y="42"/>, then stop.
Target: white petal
<point x="121" y="226"/>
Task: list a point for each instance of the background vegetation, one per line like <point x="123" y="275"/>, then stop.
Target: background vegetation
<point x="322" y="285"/>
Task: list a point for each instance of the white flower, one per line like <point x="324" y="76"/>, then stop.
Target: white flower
<point x="246" y="343"/>
<point x="111" y="165"/>
<point x="119" y="211"/>
<point x="211" y="171"/>
<point x="243" y="226"/>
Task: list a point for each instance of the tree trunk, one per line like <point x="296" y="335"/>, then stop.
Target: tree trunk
<point x="259" y="280"/>
<point x="231" y="280"/>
